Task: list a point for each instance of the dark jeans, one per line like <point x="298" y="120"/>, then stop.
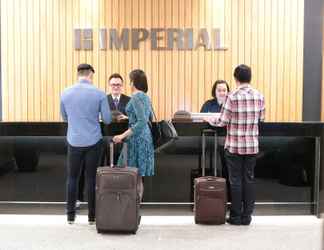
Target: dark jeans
<point x="82" y="175"/>
<point x="81" y="183"/>
<point x="241" y="179"/>
<point x="88" y="158"/>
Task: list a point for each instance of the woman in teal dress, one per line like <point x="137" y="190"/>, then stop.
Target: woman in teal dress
<point x="140" y="150"/>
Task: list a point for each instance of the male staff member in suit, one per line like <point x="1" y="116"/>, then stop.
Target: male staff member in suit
<point x="117" y="101"/>
<point x="81" y="107"/>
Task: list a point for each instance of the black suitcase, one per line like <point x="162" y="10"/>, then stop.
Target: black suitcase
<point x="210" y="193"/>
<point x="117" y="197"/>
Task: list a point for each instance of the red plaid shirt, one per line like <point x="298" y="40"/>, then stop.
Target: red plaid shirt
<point x="241" y="113"/>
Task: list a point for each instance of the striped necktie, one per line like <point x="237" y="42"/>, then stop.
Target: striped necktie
<point x="116" y="102"/>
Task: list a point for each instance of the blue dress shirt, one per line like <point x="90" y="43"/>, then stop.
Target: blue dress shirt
<point x="81" y="107"/>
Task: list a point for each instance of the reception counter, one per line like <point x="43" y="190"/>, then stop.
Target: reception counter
<point x="289" y="168"/>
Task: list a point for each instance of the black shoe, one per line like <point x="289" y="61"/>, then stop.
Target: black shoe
<point x="246" y="220"/>
<point x="91" y="221"/>
<point x="71" y="219"/>
<point x="233" y="222"/>
<point x="71" y="222"/>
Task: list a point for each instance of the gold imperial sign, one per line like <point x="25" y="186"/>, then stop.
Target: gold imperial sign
<point x="172" y="38"/>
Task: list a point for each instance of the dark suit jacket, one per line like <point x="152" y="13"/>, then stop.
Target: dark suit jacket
<point x="124" y="99"/>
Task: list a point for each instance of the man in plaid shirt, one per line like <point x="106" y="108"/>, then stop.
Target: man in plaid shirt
<point x="243" y="110"/>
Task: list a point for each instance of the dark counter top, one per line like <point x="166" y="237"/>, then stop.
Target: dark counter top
<point x="183" y="128"/>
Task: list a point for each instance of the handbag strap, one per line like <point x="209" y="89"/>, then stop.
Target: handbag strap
<point x="154" y="116"/>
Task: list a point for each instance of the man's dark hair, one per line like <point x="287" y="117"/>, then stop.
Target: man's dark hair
<point x="115" y="75"/>
<point x="85" y="69"/>
<point x="242" y="73"/>
<point x="139" y="80"/>
<point x="215" y="86"/>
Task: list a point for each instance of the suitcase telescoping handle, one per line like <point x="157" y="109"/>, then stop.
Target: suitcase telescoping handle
<point x="203" y="158"/>
<point x="111" y="153"/>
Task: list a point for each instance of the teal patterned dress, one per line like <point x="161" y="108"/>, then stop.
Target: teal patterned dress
<point x="140" y="150"/>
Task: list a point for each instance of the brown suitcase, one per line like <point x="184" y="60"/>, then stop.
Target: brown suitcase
<point x="117" y="197"/>
<point x="210" y="195"/>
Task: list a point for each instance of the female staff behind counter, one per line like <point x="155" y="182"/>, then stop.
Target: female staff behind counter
<point x="219" y="92"/>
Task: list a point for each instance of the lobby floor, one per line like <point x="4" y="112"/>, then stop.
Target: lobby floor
<point x="161" y="228"/>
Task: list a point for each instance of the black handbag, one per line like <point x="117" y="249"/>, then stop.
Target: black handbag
<point x="163" y="133"/>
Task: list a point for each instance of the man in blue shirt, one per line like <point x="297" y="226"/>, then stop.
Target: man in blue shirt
<point x="81" y="107"/>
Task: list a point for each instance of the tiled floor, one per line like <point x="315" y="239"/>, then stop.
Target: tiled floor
<point x="160" y="229"/>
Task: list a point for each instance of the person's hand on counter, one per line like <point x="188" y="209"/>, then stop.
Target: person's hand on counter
<point x="122" y="117"/>
<point x="212" y="120"/>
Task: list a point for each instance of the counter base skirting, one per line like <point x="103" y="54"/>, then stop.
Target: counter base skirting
<point x="289" y="170"/>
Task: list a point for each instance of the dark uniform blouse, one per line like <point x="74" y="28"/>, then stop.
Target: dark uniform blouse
<point x="211" y="106"/>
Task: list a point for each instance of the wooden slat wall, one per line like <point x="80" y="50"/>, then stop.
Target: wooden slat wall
<point x="39" y="61"/>
<point x="322" y="101"/>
